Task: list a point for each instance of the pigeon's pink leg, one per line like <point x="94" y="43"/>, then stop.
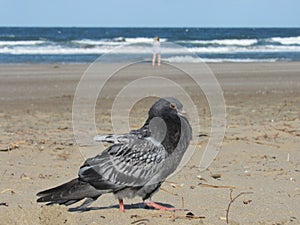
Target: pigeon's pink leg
<point x="121" y="203"/>
<point x="160" y="207"/>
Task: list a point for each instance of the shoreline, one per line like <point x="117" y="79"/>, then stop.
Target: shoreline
<point x="149" y="60"/>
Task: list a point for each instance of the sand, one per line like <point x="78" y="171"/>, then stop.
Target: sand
<point x="259" y="158"/>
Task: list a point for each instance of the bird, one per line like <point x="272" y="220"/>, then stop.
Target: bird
<point x="136" y="164"/>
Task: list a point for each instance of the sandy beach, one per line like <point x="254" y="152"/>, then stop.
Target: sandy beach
<point x="259" y="162"/>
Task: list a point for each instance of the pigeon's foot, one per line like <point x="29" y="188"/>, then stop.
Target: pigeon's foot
<point x="121" y="204"/>
<point x="161" y="207"/>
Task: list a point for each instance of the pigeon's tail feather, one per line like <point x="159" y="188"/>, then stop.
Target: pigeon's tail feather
<point x="68" y="193"/>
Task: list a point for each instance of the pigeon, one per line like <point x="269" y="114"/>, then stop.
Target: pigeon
<point x="136" y="164"/>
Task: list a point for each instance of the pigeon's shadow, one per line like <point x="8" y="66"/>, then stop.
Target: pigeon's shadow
<point x="127" y="207"/>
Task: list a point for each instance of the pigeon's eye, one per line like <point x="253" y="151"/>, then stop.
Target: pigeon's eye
<point x="172" y="106"/>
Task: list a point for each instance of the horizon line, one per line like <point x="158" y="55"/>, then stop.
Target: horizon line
<point x="156" y="27"/>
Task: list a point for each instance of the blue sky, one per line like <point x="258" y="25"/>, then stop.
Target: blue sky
<point x="152" y="13"/>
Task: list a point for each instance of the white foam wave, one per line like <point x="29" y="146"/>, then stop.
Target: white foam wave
<point x="238" y="42"/>
<point x="16" y="43"/>
<point x="287" y="40"/>
<point x="141" y="49"/>
<point x="254" y="49"/>
<point x="117" y="41"/>
<point x="56" y="50"/>
<point x="183" y="59"/>
<point x="191" y="59"/>
<point x="96" y="42"/>
<point x="7" y="35"/>
<point x="48" y="50"/>
<point x="239" y="60"/>
<point x="142" y="40"/>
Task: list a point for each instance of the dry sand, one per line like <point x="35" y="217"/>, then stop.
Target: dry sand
<point x="259" y="159"/>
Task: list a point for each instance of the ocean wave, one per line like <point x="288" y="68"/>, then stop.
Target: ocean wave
<point x="7" y="35"/>
<point x="177" y="44"/>
<point x="54" y="50"/>
<point x="253" y="49"/>
<point x="64" y="50"/>
<point x="238" y="42"/>
<point x="96" y="42"/>
<point x="248" y="60"/>
<point x="117" y="41"/>
<point x="191" y="59"/>
<point x="48" y="50"/>
<point x="287" y="40"/>
<point x="222" y="45"/>
<point x="18" y="43"/>
<point x="141" y="49"/>
<point x="142" y="40"/>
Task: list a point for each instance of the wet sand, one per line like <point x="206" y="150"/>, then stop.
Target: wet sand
<point x="259" y="158"/>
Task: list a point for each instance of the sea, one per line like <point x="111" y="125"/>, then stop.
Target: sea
<point x="189" y="45"/>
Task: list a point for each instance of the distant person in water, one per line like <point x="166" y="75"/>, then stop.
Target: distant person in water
<point x="156" y="51"/>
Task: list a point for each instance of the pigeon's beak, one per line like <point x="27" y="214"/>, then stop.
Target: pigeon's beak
<point x="181" y="113"/>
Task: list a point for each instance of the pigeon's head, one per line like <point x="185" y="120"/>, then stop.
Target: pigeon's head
<point x="166" y="121"/>
<point x="166" y="106"/>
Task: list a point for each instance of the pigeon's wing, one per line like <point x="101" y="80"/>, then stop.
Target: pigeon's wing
<point x="127" y="164"/>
